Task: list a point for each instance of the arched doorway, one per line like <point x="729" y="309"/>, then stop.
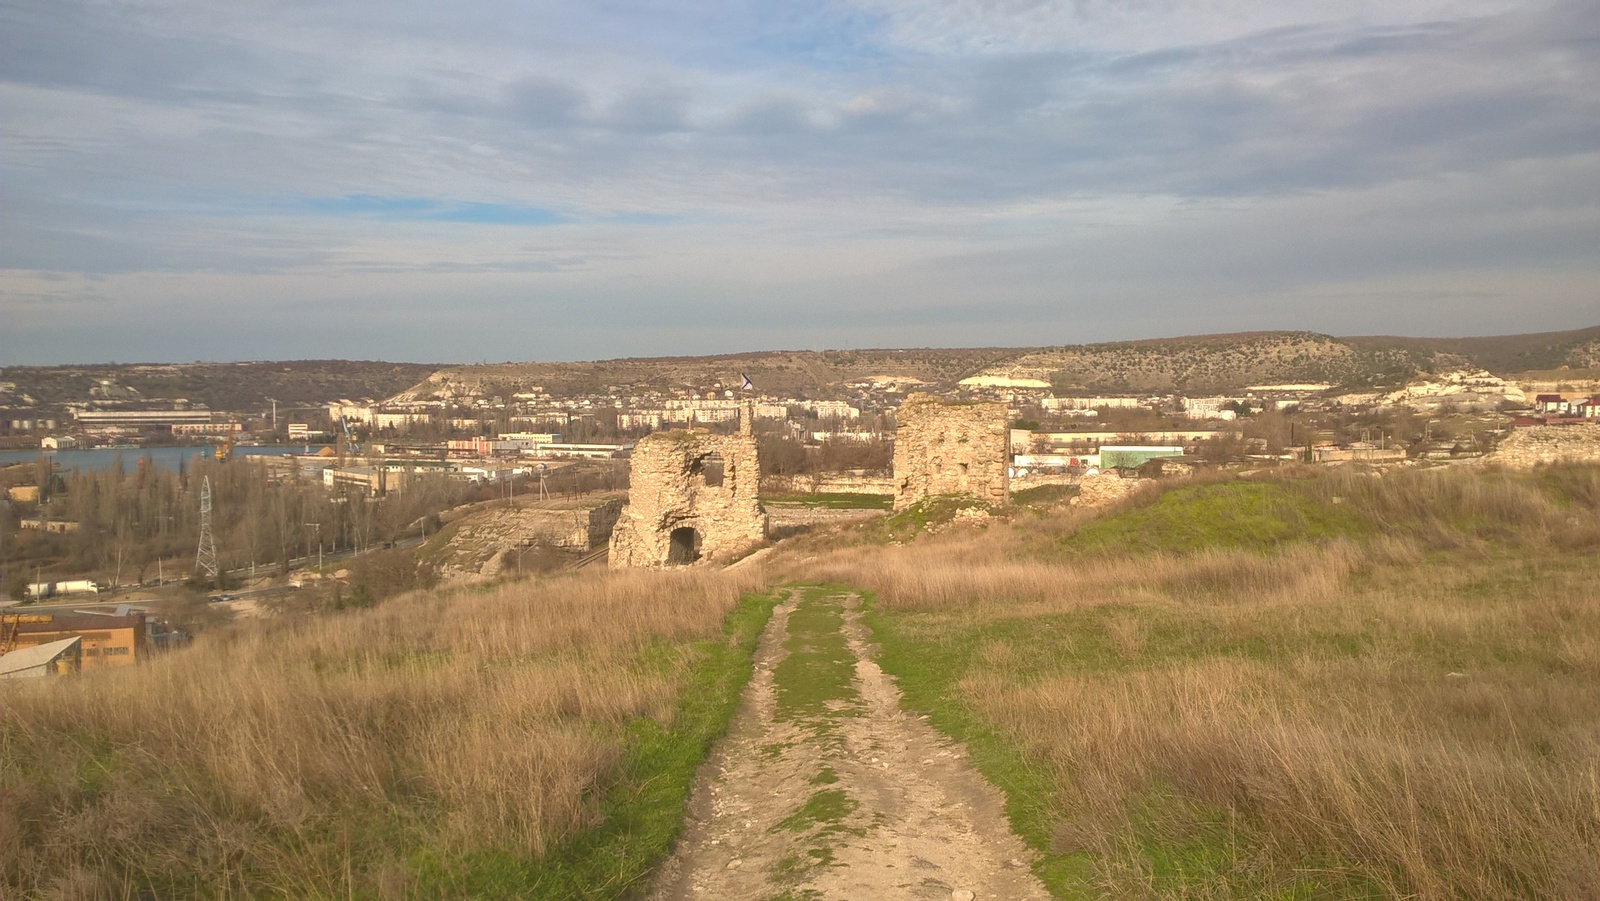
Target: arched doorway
<point x="683" y="547"/>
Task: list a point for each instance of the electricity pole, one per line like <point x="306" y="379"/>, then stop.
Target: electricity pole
<point x="318" y="527"/>
<point x="205" y="558"/>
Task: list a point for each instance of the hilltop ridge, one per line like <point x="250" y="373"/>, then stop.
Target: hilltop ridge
<point x="1197" y="363"/>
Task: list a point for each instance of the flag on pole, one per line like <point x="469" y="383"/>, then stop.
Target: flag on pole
<point x="745" y="383"/>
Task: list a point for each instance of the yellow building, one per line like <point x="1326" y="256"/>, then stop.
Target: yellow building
<point x="107" y="641"/>
<point x="23" y="494"/>
<point x="57" y="658"/>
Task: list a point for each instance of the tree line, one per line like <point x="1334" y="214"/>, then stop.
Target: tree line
<point x="133" y="526"/>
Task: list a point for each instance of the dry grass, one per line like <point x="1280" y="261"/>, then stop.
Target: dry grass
<point x="956" y="570"/>
<point x="321" y="755"/>
<point x="1415" y="713"/>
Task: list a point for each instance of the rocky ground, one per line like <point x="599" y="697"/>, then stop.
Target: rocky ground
<point x="826" y="788"/>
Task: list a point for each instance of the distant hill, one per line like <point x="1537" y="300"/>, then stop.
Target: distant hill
<point x="1221" y="363"/>
<point x="1196" y="364"/>
<point x="792" y="373"/>
<point x="219" y="386"/>
<point x="1578" y="349"/>
<point x="1211" y="363"/>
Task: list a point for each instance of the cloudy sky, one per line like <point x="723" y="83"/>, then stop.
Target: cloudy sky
<point x="262" y="179"/>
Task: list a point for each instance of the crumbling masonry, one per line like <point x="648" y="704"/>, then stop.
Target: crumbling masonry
<point x="693" y="496"/>
<point x="950" y="449"/>
<point x="1538" y="445"/>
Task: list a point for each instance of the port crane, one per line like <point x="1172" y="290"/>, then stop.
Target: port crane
<point x="347" y="440"/>
<point x="225" y="449"/>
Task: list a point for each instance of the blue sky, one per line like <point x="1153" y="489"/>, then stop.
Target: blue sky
<point x="185" y="180"/>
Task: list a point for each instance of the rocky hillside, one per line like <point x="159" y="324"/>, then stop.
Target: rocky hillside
<point x="1577" y="349"/>
<point x="1213" y="363"/>
<point x="795" y="373"/>
<point x="1195" y="364"/>
<point x="1221" y="363"/>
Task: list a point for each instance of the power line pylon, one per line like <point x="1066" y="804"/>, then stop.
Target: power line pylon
<point x="205" y="559"/>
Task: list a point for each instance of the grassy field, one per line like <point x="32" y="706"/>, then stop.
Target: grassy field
<point x="1324" y="686"/>
<point x="531" y="740"/>
<point x="1320" y="684"/>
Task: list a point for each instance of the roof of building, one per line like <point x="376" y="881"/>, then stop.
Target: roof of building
<point x="84" y="622"/>
<point x="36" y="656"/>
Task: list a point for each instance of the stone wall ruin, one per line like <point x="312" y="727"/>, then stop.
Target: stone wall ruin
<point x="491" y="538"/>
<point x="694" y="497"/>
<point x="1539" y="445"/>
<point x="959" y="448"/>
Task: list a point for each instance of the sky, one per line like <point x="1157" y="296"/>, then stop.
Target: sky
<point x="289" y="179"/>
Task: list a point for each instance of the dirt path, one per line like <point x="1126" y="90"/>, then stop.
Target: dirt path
<point x="825" y="788"/>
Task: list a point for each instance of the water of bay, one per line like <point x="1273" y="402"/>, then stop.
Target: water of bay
<point x="168" y="458"/>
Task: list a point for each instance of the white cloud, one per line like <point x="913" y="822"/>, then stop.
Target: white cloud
<point x="1008" y="167"/>
<point x="1002" y="26"/>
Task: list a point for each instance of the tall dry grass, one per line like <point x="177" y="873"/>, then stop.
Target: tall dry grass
<point x="1559" y="506"/>
<point x="1411" y="715"/>
<point x="311" y="756"/>
<point x="962" y="570"/>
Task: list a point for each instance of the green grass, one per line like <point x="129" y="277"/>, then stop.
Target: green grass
<point x="826" y="808"/>
<point x="814" y="683"/>
<point x="1043" y="495"/>
<point x="643" y="812"/>
<point x="917" y="518"/>
<point x="815" y="686"/>
<point x="1255" y="515"/>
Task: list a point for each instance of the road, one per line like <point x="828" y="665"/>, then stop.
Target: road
<point x="826" y="788"/>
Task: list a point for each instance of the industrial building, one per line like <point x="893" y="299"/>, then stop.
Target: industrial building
<point x="57" y="658"/>
<point x="108" y="640"/>
<point x="1128" y="456"/>
<point x="146" y="419"/>
<point x="53" y="526"/>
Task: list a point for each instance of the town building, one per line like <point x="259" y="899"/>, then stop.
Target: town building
<point x="108" y="640"/>
<point x="52" y="526"/>
<point x="56" y="658"/>
<point x="1069" y="404"/>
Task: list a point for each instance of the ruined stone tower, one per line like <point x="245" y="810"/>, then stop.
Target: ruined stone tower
<point x="694" y="496"/>
<point x="958" y="448"/>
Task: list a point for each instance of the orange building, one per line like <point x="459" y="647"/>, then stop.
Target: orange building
<point x="107" y="641"/>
